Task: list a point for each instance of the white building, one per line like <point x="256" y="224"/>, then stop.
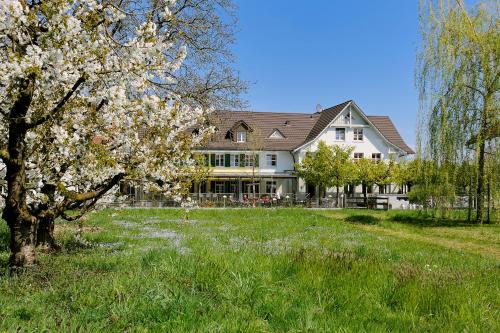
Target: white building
<point x="279" y="140"/>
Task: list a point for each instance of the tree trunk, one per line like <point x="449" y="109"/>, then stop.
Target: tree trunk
<point x="469" y="203"/>
<point x="45" y="236"/>
<point x="338" y="197"/>
<point x="364" y="187"/>
<point x="21" y="223"/>
<point x="480" y="182"/>
<point x="22" y="239"/>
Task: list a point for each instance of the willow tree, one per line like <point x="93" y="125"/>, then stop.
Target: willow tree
<point x="458" y="73"/>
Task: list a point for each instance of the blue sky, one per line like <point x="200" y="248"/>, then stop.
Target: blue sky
<point x="297" y="54"/>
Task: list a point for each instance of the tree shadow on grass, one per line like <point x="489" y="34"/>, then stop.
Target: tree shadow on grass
<point x="426" y="220"/>
<point x="362" y="219"/>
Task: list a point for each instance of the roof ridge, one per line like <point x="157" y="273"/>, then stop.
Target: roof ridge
<point x="272" y="112"/>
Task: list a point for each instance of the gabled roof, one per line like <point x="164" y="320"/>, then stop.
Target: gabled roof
<point x="386" y="127"/>
<point x="241" y="123"/>
<point x="297" y="128"/>
<point x="294" y="126"/>
<point x="325" y="118"/>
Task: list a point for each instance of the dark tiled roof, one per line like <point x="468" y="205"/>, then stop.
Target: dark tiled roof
<point x="298" y="129"/>
<point x="325" y="118"/>
<point x="387" y="128"/>
<point x="294" y="126"/>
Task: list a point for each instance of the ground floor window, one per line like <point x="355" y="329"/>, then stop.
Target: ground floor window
<point x="271" y="187"/>
<point x="219" y="187"/>
<point x="358" y="156"/>
<point x="249" y="187"/>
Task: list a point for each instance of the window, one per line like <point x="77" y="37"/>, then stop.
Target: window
<point x="241" y="136"/>
<point x="340" y="134"/>
<point x="219" y="160"/>
<point x="235" y="160"/>
<point x="271" y="159"/>
<point x="376" y="157"/>
<point x="271" y="187"/>
<point x="219" y="187"/>
<point x="276" y="134"/>
<point x="248" y="160"/>
<point x="358" y="134"/>
<point x="358" y="156"/>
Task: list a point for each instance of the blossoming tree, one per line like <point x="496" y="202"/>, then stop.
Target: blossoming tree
<point x="94" y="92"/>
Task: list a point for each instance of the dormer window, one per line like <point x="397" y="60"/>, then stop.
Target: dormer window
<point x="241" y="136"/>
<point x="276" y="134"/>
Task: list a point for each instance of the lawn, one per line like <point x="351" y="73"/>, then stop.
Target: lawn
<point x="260" y="270"/>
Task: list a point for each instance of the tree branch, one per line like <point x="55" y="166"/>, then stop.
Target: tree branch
<point x="59" y="105"/>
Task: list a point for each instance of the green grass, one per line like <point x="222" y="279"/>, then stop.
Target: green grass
<point x="260" y="270"/>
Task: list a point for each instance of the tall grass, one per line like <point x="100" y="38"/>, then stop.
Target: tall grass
<point x="254" y="270"/>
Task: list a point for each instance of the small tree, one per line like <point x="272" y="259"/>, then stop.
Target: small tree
<point x="342" y="169"/>
<point x="369" y="173"/>
<point x="319" y="169"/>
<point x="255" y="142"/>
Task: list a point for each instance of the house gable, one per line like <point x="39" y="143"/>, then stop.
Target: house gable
<point x="337" y="119"/>
<point x="348" y="117"/>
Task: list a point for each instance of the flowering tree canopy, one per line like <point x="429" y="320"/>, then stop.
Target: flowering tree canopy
<point x="93" y="92"/>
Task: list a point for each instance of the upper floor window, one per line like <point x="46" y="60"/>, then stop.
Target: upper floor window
<point x="271" y="159"/>
<point x="340" y="134"/>
<point x="358" y="134"/>
<point x="235" y="160"/>
<point x="241" y="136"/>
<point x="358" y="156"/>
<point x="376" y="157"/>
<point x="219" y="160"/>
<point x="249" y="160"/>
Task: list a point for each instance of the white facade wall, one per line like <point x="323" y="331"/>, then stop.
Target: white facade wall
<point x="284" y="161"/>
<point x="373" y="142"/>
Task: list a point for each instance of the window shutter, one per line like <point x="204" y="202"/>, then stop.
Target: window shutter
<point x="212" y="160"/>
<point x="227" y="160"/>
<point x="207" y="159"/>
<point x="242" y="160"/>
<point x="256" y="160"/>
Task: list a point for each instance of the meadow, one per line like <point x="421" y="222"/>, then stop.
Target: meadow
<point x="259" y="270"/>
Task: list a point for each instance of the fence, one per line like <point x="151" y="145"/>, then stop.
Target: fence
<point x="369" y="202"/>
